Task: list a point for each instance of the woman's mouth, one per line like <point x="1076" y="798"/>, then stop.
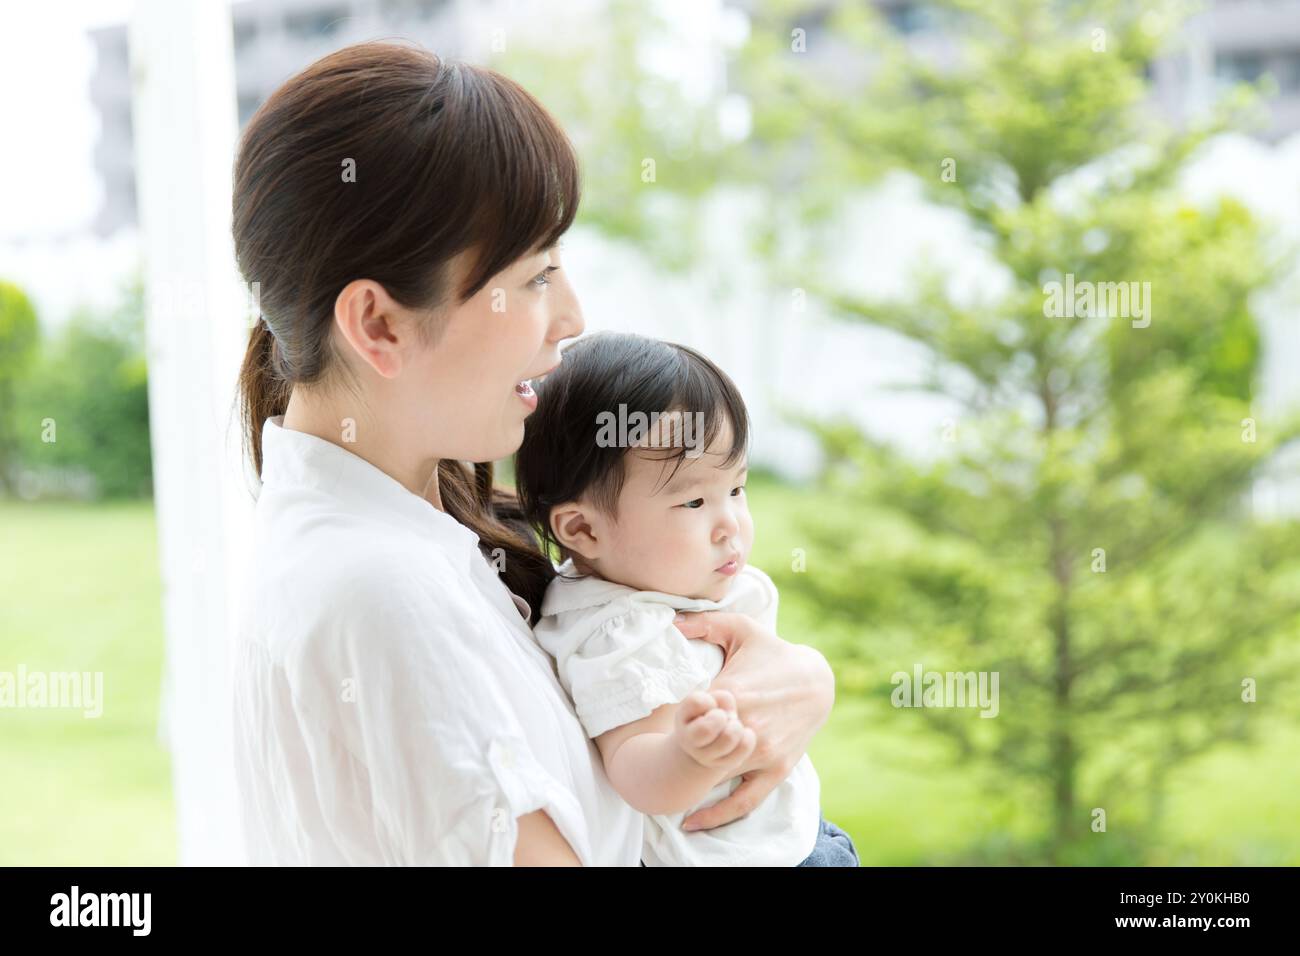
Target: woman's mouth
<point x="524" y="389"/>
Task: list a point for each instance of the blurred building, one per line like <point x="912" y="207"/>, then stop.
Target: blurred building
<point x="1237" y="41"/>
<point x="1232" y="41"/>
<point x="273" y="40"/>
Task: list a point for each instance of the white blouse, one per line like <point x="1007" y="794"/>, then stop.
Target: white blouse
<point x="620" y="657"/>
<point x="391" y="705"/>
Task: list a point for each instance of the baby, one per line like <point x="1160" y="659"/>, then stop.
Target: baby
<point x="633" y="468"/>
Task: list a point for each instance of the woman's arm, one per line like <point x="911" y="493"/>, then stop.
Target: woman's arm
<point x="783" y="691"/>
<point x="540" y="843"/>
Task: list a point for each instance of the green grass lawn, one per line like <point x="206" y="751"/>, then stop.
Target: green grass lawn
<point x="82" y="593"/>
<point x="81" y="589"/>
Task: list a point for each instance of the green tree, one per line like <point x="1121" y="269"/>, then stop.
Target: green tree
<point x="651" y="149"/>
<point x="91" y="384"/>
<point x="18" y="339"/>
<point x="1085" y="530"/>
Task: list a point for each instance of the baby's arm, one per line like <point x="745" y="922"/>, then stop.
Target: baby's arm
<point x="668" y="761"/>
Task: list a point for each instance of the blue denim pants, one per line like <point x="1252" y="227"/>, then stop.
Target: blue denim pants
<point x="833" y="848"/>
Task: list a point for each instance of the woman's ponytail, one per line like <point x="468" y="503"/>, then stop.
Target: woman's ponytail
<point x="263" y="390"/>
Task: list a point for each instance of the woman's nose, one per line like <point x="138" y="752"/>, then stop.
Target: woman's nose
<point x="568" y="321"/>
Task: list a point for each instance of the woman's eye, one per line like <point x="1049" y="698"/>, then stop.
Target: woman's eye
<point x="697" y="503"/>
<point x="541" y="278"/>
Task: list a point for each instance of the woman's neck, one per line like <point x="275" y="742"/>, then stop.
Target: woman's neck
<point x="315" y="414"/>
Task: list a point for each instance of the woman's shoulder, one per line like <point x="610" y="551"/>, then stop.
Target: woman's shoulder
<point x="406" y="639"/>
<point x="345" y="589"/>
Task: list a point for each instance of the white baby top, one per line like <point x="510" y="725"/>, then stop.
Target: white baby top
<point x="390" y="703"/>
<point x="620" y="658"/>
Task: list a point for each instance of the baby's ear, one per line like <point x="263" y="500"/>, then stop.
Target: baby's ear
<point x="574" y="529"/>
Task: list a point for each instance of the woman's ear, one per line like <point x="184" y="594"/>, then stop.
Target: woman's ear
<point x="577" y="529"/>
<point x="366" y="317"/>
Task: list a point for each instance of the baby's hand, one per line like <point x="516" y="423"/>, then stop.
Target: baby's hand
<point x="708" y="730"/>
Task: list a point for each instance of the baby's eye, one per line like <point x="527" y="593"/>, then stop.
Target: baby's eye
<point x="737" y="488"/>
<point x="697" y="503"/>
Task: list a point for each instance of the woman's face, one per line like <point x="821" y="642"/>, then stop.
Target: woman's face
<point x="466" y="388"/>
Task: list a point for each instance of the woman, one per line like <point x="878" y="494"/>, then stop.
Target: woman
<point x="400" y="215"/>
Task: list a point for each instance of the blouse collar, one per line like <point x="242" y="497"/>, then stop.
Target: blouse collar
<point x="292" y="457"/>
<point x="569" y="593"/>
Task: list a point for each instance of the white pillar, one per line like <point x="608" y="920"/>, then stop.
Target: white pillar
<point x="185" y="128"/>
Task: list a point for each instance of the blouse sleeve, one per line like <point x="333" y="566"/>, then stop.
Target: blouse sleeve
<point x="441" y="766"/>
<point x="756" y="596"/>
<point x="633" y="663"/>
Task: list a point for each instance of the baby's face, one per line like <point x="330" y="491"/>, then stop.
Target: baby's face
<point x="688" y="537"/>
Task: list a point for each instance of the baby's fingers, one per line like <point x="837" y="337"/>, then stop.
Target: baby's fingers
<point x="725" y="699"/>
<point x="748" y="741"/>
<point x="695" y="704"/>
<point x="703" y="730"/>
<point x="724" y="749"/>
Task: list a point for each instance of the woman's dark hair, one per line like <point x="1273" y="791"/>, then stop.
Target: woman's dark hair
<point x="385" y="161"/>
<point x="561" y="458"/>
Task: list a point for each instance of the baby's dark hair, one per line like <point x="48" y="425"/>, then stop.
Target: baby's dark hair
<point x="560" y="458"/>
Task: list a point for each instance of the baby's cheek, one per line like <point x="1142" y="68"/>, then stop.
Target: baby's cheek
<point x="656" y="549"/>
<point x="672" y="553"/>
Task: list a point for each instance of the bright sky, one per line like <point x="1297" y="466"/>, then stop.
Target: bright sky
<point x="46" y="56"/>
<point x="49" y="192"/>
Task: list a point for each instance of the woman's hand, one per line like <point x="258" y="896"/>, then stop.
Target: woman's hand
<point x="783" y="691"/>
